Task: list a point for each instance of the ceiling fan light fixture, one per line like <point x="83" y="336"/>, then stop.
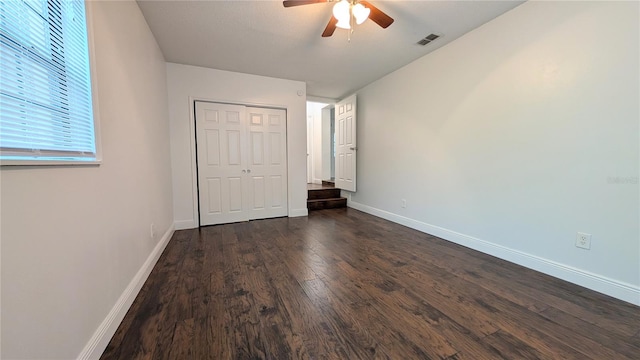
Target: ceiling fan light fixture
<point x="343" y="24"/>
<point x="341" y="10"/>
<point x="361" y="13"/>
<point x="347" y="14"/>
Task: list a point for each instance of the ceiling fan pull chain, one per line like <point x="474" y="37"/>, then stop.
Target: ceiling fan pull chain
<point x="351" y="23"/>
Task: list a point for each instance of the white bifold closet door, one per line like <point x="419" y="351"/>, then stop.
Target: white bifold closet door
<point x="241" y="156"/>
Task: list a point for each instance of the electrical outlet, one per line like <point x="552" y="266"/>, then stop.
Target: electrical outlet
<point x="583" y="241"/>
<point x="404" y="203"/>
<point x="152" y="230"/>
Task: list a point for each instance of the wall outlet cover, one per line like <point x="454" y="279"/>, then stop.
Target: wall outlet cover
<point x="583" y="240"/>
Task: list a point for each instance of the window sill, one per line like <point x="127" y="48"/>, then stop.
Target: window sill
<point x="44" y="163"/>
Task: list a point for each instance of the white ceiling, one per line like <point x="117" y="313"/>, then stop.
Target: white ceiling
<point x="265" y="38"/>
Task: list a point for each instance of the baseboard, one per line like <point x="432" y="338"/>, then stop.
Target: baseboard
<point x="298" y="212"/>
<point x="185" y="224"/>
<point x="620" y="290"/>
<point x="100" y="339"/>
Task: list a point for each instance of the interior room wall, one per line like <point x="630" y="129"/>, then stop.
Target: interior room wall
<point x="189" y="83"/>
<point x="515" y="137"/>
<point x="74" y="237"/>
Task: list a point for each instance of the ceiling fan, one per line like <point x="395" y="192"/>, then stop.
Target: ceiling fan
<point x="346" y="13"/>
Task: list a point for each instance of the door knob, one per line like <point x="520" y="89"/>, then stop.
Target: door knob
<point x="353" y="148"/>
<point x="244" y="171"/>
<point x="249" y="170"/>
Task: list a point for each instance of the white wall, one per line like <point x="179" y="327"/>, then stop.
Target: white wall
<point x="188" y="83"/>
<point x="516" y="136"/>
<point x="74" y="238"/>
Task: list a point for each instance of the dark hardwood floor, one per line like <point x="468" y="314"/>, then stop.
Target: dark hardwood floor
<point x="342" y="284"/>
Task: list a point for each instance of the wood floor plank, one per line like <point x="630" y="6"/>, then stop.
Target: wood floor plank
<point x="341" y="284"/>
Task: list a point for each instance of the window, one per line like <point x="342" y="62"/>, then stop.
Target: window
<point x="46" y="111"/>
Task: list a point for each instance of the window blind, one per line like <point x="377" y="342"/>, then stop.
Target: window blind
<point x="45" y="85"/>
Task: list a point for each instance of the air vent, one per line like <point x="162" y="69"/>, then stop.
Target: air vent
<point x="427" y="39"/>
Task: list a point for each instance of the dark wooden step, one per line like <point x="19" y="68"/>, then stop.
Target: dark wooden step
<point x="325" y="193"/>
<point x="328" y="183"/>
<point x="319" y="204"/>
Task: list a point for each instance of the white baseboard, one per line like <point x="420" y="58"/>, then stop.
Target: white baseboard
<point x="298" y="212"/>
<point x="617" y="289"/>
<point x="101" y="337"/>
<point x="185" y="224"/>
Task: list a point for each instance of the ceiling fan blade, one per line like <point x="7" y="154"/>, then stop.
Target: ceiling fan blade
<point x="331" y="27"/>
<point x="377" y="16"/>
<point x="290" y="3"/>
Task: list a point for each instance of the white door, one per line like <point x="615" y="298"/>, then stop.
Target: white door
<point x="267" y="165"/>
<point x="219" y="143"/>
<point x="241" y="158"/>
<point x="345" y="113"/>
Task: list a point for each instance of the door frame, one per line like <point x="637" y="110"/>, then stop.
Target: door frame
<point x="309" y="149"/>
<point x="192" y="143"/>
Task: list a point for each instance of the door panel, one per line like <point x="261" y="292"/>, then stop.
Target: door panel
<point x="220" y="178"/>
<point x="214" y="187"/>
<point x="268" y="129"/>
<point x="233" y="147"/>
<point x="235" y="194"/>
<point x="277" y="184"/>
<point x="276" y="143"/>
<point x="259" y="197"/>
<point x="346" y="146"/>
<point x="213" y="147"/>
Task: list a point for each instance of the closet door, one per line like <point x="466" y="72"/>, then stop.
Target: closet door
<point x="222" y="181"/>
<point x="241" y="157"/>
<point x="267" y="167"/>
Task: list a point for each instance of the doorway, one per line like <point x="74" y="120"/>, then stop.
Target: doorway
<point x="320" y="142"/>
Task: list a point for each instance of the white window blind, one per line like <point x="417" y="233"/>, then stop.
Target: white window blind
<point x="45" y="86"/>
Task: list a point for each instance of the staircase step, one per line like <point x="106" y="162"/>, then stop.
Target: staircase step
<point x="326" y="193"/>
<point x="320" y="204"/>
<point x="328" y="183"/>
